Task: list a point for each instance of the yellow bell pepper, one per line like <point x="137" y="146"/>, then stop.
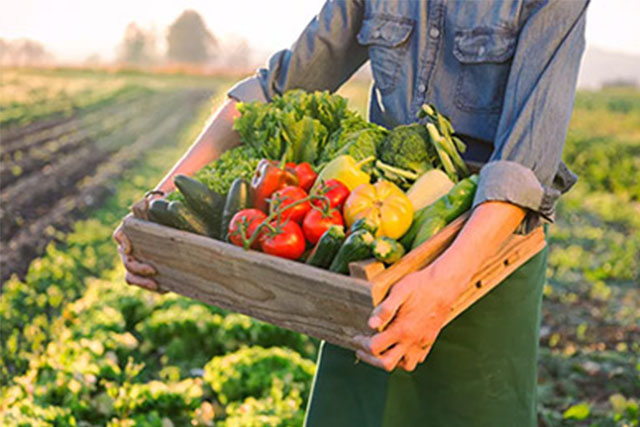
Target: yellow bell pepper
<point x="345" y="169"/>
<point x="384" y="204"/>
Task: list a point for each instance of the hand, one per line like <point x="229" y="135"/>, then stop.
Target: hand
<point x="138" y="273"/>
<point x="415" y="311"/>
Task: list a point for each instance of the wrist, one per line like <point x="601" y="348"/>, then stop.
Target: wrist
<point x="450" y="274"/>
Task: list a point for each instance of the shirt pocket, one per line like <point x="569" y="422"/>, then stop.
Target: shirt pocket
<point x="386" y="37"/>
<point x="484" y="54"/>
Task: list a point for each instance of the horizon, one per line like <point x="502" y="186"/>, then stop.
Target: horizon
<point x="610" y="25"/>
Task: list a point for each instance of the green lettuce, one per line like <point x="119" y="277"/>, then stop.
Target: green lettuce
<point x="294" y="127"/>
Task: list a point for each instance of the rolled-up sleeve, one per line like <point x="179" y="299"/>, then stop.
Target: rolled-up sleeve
<point x="325" y="55"/>
<point x="525" y="168"/>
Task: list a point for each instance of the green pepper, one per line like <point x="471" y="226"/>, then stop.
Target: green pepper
<point x="460" y="198"/>
<point x="430" y="220"/>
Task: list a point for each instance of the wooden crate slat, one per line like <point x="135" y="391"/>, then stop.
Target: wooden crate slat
<point x="292" y="295"/>
<point x="418" y="258"/>
<point x="296" y="296"/>
<point x="514" y="252"/>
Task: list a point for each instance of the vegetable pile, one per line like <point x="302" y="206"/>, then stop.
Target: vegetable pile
<point x="315" y="182"/>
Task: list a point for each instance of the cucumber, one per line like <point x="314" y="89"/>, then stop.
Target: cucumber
<point x="418" y="220"/>
<point x="355" y="248"/>
<point x="187" y="220"/>
<point x="158" y="213"/>
<point x="238" y="198"/>
<point x="205" y="203"/>
<point x="387" y="250"/>
<point x="327" y="247"/>
<point x="429" y="228"/>
<point x="364" y="223"/>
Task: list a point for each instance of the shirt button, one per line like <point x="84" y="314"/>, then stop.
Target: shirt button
<point x="422" y="88"/>
<point x="376" y="33"/>
<point x="434" y="32"/>
<point x="481" y="50"/>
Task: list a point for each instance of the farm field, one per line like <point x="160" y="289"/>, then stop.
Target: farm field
<point x="80" y="347"/>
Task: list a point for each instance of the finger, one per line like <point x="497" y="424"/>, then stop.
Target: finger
<point x="384" y="312"/>
<point x="135" y="266"/>
<point x="388" y="361"/>
<point x="143" y="282"/>
<point x="140" y="209"/>
<point x="425" y="352"/>
<point x="362" y="341"/>
<point x="411" y="359"/>
<point x="383" y="340"/>
<point x="122" y="239"/>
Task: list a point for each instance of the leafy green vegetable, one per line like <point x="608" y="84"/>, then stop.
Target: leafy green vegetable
<point x="360" y="145"/>
<point x="239" y="162"/>
<point x="250" y="371"/>
<point x="293" y="127"/>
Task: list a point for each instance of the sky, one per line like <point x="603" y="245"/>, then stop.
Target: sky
<point x="76" y="29"/>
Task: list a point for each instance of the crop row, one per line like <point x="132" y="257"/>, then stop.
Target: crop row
<point x="52" y="197"/>
<point x="82" y="346"/>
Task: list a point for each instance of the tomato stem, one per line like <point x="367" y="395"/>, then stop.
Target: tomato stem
<point x="277" y="214"/>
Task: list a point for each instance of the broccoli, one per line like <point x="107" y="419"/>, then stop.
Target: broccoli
<point x="357" y="138"/>
<point x="406" y="149"/>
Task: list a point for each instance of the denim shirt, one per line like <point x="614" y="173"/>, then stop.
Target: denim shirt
<point x="504" y="72"/>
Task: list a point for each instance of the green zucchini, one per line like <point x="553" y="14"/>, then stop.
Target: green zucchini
<point x="429" y="228"/>
<point x="430" y="220"/>
<point x="158" y="213"/>
<point x="418" y="220"/>
<point x="204" y="202"/>
<point x="387" y="250"/>
<point x="327" y="247"/>
<point x="364" y="223"/>
<point x="355" y="248"/>
<point x="187" y="220"/>
<point x="238" y="198"/>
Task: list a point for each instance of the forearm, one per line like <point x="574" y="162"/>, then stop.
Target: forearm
<point x="490" y="224"/>
<point x="217" y="136"/>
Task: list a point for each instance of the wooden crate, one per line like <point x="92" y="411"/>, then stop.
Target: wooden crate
<point x="296" y="296"/>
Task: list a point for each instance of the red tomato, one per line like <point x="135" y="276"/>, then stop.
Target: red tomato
<point x="335" y="191"/>
<point x="290" y="195"/>
<point x="316" y="222"/>
<point x="306" y="176"/>
<point x="252" y="218"/>
<point x="286" y="242"/>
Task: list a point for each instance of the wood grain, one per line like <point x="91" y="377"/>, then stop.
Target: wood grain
<point x="296" y="296"/>
<point x="514" y="252"/>
<point x="293" y="295"/>
<point x="418" y="258"/>
<point x="366" y="269"/>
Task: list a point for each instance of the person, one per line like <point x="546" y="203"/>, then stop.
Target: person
<point x="505" y="73"/>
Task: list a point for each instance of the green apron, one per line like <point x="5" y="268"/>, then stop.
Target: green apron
<point x="481" y="370"/>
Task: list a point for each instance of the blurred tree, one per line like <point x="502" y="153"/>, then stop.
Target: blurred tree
<point x="23" y="52"/>
<point x="189" y="40"/>
<point x="138" y="46"/>
<point x="236" y="54"/>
